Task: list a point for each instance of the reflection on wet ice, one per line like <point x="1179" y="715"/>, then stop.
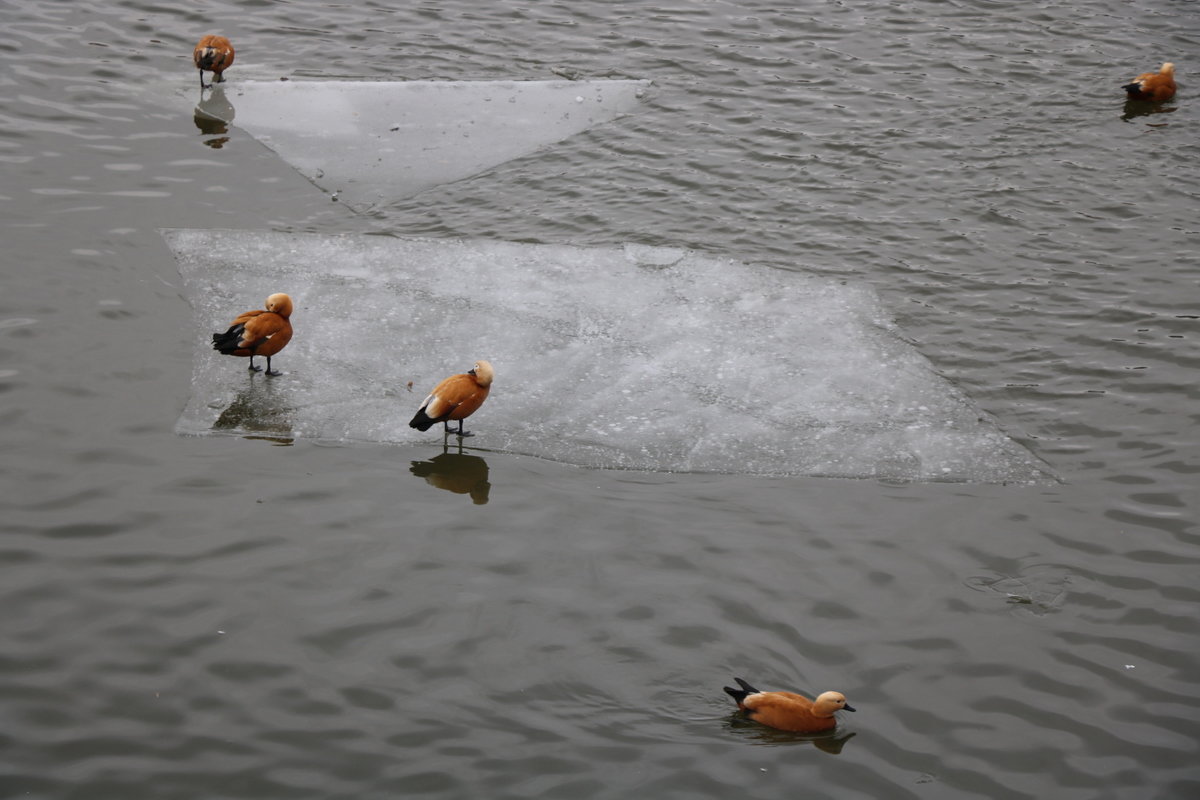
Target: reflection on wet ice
<point x="258" y="409"/>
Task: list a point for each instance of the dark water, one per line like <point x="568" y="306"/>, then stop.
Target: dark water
<point x="227" y="617"/>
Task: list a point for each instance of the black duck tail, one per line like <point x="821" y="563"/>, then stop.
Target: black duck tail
<point x="227" y="342"/>
<point x="421" y="421"/>
<point x="739" y="695"/>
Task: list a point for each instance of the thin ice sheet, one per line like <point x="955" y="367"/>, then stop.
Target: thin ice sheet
<point x="623" y="358"/>
<point x="371" y="142"/>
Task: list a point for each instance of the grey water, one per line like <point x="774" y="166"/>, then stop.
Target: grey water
<point x="284" y="616"/>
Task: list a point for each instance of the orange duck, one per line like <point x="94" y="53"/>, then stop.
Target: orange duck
<point x="457" y="397"/>
<point x="262" y="332"/>
<point x="215" y="54"/>
<point x="788" y="711"/>
<point x="1153" y="86"/>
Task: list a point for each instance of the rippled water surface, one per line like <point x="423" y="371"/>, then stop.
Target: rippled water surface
<point x="276" y="617"/>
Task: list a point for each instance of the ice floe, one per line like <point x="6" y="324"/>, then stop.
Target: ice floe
<point x="624" y="358"/>
<point x="370" y="142"/>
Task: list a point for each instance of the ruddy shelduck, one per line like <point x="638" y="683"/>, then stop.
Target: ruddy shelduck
<point x="215" y="54"/>
<point x="788" y="711"/>
<point x="1153" y="86"/>
<point x="262" y="332"/>
<point x="455" y="398"/>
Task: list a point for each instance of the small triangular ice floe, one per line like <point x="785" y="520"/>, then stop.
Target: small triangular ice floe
<point x="371" y="142"/>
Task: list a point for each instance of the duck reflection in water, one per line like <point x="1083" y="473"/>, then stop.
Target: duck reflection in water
<point x="456" y="472"/>
<point x="213" y="116"/>
<point x="259" y="411"/>
<point x="830" y="742"/>
<point x="1142" y="108"/>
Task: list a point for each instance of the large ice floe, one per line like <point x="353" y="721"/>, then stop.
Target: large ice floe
<point x="371" y="142"/>
<point x="623" y="358"/>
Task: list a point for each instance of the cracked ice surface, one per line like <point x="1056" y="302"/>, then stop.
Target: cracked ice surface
<point x="627" y="358"/>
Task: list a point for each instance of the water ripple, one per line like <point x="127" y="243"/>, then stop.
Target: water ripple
<point x="213" y="618"/>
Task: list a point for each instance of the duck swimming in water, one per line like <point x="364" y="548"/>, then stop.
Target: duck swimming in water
<point x="789" y="711"/>
<point x="1153" y="86"/>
